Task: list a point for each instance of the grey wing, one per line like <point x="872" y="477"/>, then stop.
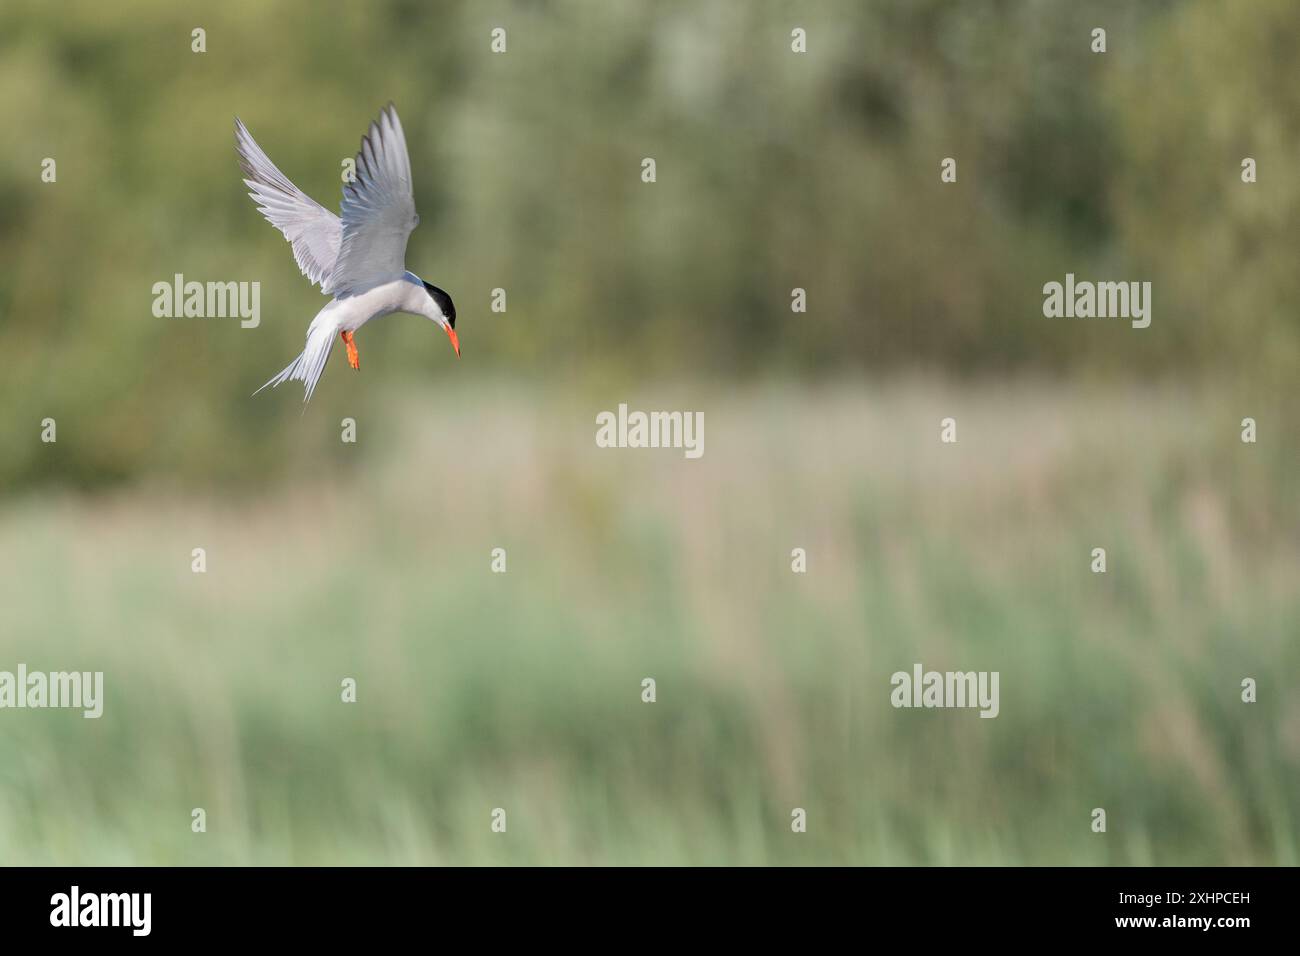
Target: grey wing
<point x="378" y="210"/>
<point x="314" y="232"/>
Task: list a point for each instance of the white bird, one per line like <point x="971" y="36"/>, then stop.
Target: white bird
<point x="360" y="258"/>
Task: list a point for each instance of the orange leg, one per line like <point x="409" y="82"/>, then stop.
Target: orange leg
<point x="353" y="359"/>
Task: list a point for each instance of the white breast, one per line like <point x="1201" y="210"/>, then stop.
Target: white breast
<point x="356" y="310"/>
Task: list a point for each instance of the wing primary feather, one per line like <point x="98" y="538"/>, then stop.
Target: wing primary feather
<point x="314" y="233"/>
<point x="378" y="210"/>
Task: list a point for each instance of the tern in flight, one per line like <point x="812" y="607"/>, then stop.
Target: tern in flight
<point x="358" y="256"/>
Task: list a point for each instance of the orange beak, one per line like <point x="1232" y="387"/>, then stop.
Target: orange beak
<point x="455" y="342"/>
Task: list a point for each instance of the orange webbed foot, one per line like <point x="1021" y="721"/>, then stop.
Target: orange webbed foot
<point x="353" y="359"/>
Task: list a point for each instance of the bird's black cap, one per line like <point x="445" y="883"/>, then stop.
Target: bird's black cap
<point x="444" y="302"/>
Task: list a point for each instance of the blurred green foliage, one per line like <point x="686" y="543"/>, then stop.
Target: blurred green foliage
<point x="775" y="170"/>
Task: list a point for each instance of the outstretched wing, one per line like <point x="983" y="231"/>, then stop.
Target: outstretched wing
<point x="314" y="232"/>
<point x="378" y="210"/>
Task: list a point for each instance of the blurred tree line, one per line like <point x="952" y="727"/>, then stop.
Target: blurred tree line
<point x="775" y="170"/>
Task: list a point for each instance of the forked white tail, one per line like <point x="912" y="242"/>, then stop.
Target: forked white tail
<point x="308" y="367"/>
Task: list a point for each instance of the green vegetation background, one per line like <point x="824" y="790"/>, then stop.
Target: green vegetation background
<point x="774" y="171"/>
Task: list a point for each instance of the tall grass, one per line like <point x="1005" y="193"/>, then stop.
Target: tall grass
<point x="523" y="690"/>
